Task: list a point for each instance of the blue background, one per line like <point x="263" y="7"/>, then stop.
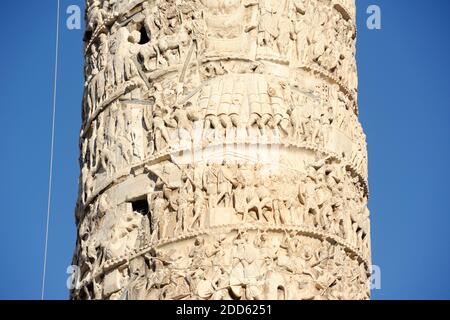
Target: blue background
<point x="404" y="107"/>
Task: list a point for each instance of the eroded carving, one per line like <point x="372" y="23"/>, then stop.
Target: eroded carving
<point x="221" y="152"/>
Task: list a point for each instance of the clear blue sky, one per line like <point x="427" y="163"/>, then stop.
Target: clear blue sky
<point x="405" y="110"/>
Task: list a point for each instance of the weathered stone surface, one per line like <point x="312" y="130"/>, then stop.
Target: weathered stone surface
<point x="221" y="152"/>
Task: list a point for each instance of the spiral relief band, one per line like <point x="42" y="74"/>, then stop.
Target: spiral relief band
<point x="221" y="152"/>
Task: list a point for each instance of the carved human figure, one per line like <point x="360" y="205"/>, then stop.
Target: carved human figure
<point x="200" y="207"/>
<point x="124" y="46"/>
<point x="210" y="183"/>
<point x="158" y="211"/>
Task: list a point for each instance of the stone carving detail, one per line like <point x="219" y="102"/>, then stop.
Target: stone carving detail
<point x="221" y="152"/>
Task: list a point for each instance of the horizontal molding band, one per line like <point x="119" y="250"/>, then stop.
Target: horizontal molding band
<point x="168" y="156"/>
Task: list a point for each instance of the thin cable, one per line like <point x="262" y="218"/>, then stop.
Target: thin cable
<point x="50" y="179"/>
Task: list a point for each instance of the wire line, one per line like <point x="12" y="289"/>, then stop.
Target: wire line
<point x="50" y="179"/>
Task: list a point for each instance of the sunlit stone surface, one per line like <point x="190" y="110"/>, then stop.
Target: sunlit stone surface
<point x="221" y="152"/>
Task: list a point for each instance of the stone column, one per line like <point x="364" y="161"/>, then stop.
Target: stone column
<point x="221" y="152"/>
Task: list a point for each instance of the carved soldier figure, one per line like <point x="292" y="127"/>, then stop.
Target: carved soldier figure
<point x="210" y="183"/>
<point x="183" y="116"/>
<point x="224" y="177"/>
<point x="308" y="193"/>
<point x="123" y="138"/>
<point x="200" y="206"/>
<point x="161" y="122"/>
<point x="158" y="212"/>
<point x="240" y="197"/>
<point x="268" y="29"/>
<point x="124" y="47"/>
<point x="302" y="29"/>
